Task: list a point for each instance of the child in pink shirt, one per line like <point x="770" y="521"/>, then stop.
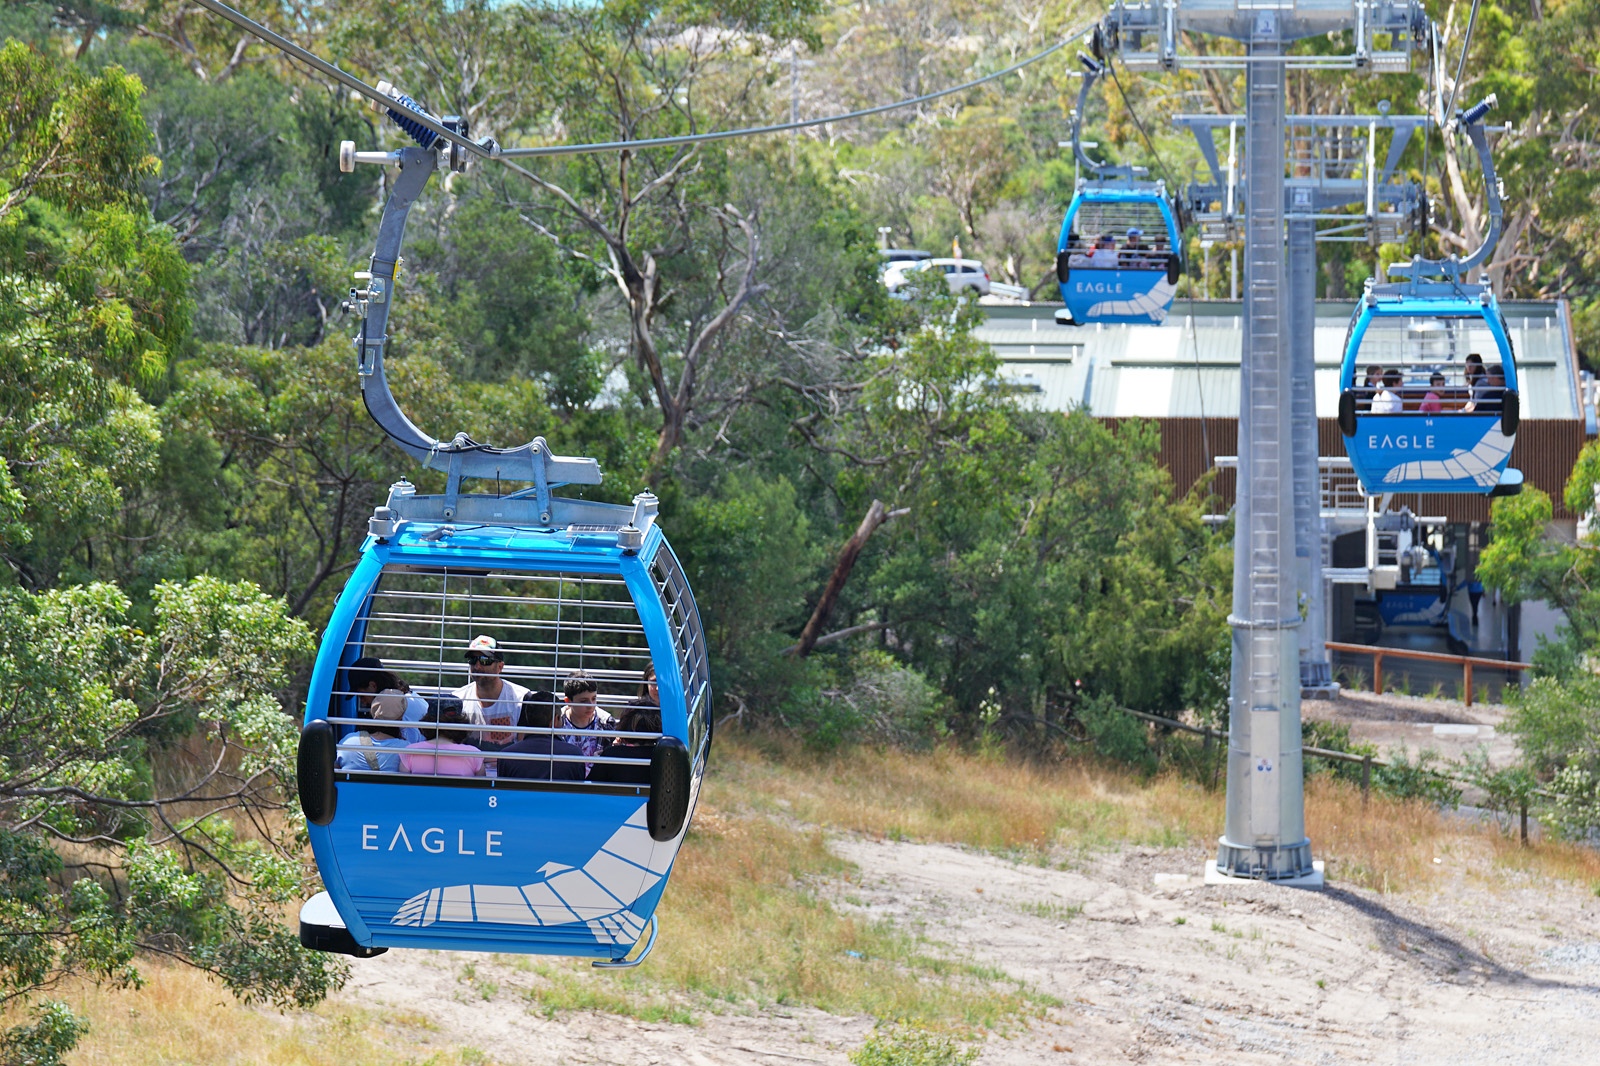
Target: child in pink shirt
<point x="1431" y="403"/>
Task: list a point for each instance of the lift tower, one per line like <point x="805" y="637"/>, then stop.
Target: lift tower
<point x="1334" y="164"/>
<point x="1264" y="833"/>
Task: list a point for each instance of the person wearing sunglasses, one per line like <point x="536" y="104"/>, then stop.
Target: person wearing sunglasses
<point x="489" y="700"/>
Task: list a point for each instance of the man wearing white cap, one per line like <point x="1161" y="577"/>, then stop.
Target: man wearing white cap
<point x="488" y="699"/>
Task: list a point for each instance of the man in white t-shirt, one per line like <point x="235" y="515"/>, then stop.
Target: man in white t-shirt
<point x="1388" y="401"/>
<point x="488" y="700"/>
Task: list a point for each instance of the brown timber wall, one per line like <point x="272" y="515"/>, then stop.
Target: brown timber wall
<point x="1545" y="451"/>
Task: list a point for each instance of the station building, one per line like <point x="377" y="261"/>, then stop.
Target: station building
<point x="1184" y="375"/>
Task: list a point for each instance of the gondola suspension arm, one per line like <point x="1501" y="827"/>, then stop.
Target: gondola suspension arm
<point x="1092" y="69"/>
<point x="462" y="456"/>
<point x="1469" y="122"/>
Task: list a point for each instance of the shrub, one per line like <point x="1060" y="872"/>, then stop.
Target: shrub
<point x="1405" y="779"/>
<point x="911" y="1046"/>
<point x="1113" y="733"/>
<point x="1574" y="813"/>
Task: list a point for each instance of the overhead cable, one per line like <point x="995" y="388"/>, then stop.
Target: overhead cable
<point x="784" y="127"/>
<point x="1461" y="66"/>
<point x="1160" y="162"/>
<point x="348" y="80"/>
<point x="427" y="121"/>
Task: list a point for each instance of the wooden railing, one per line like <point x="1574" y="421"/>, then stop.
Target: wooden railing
<point x="1467" y="662"/>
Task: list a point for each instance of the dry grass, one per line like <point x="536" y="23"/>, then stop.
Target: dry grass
<point x="742" y="929"/>
<point x="1059" y="811"/>
<point x="982" y="800"/>
<point x="740" y="925"/>
<point x="180" y="1017"/>
<point x="1390" y="845"/>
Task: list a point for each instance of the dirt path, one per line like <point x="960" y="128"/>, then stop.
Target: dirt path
<point x="434" y="1006"/>
<point x="1416" y="724"/>
<point x="1150" y="966"/>
<point x="1160" y="968"/>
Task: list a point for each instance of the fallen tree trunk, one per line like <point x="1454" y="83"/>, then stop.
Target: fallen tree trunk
<point x="876" y="516"/>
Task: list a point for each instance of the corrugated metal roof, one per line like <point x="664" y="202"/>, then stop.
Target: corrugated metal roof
<point x="1188" y="367"/>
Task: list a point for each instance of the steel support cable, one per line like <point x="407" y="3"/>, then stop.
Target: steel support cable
<point x="1461" y="65"/>
<point x="1162" y="163"/>
<point x="350" y="81"/>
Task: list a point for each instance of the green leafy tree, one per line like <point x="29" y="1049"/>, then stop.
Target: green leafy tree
<point x="109" y="848"/>
<point x="75" y="140"/>
<point x="1526" y="561"/>
<point x="93" y="301"/>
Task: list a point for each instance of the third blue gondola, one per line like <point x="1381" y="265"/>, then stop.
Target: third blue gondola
<point x="1428" y="391"/>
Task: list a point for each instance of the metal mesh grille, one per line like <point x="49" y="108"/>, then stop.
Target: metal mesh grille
<point x="688" y="639"/>
<point x="1095" y="221"/>
<point x="1421" y="346"/>
<point x="419" y="622"/>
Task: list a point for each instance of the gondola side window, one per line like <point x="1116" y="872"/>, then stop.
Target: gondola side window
<point x="459" y="651"/>
<point x="689" y="641"/>
<point x="1428" y="364"/>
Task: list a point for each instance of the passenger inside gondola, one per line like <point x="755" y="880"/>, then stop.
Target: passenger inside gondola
<point x="368" y="677"/>
<point x="488" y="699"/>
<point x="442" y="753"/>
<point x="376" y="745"/>
<point x="1387" y="400"/>
<point x="1477" y="381"/>
<point x="1433" y="402"/>
<point x="649" y="693"/>
<point x="583" y="714"/>
<point x="637" y="720"/>
<point x="1494" y="391"/>
<point x="1101" y="255"/>
<point x="1369" y="388"/>
<point x="1135" y="252"/>
<point x="538" y="712"/>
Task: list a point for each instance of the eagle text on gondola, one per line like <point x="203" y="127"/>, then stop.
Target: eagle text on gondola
<point x="1400" y="442"/>
<point x="434" y="841"/>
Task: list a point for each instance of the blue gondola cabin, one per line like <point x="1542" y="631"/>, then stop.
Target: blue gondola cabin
<point x="480" y="845"/>
<point x="1429" y="397"/>
<point x="1117" y="259"/>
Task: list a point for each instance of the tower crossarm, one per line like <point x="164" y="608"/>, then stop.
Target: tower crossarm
<point x="1333" y="163"/>
<point x="1147" y="34"/>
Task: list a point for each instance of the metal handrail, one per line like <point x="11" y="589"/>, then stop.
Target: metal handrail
<point x="1366" y="760"/>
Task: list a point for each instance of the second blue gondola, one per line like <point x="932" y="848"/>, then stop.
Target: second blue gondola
<point x="1117" y="257"/>
<point x="1429" y="398"/>
<point x="1115" y="260"/>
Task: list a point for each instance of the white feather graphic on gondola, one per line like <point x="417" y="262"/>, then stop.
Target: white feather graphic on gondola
<point x="1482" y="464"/>
<point x="1153" y="304"/>
<point x="627" y="866"/>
